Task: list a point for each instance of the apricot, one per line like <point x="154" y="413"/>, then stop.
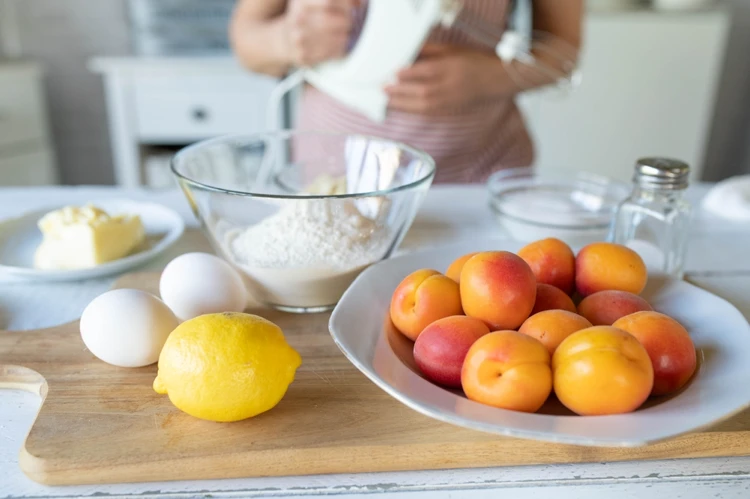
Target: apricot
<point x="603" y="308"/>
<point x="669" y="346"/>
<point x="552" y="262"/>
<point x="549" y="297"/>
<point x="551" y="327"/>
<point x="499" y="288"/>
<point x="440" y="349"/>
<point x="454" y="269"/>
<point x="604" y="266"/>
<point x="602" y="370"/>
<point x="509" y="370"/>
<point x="421" y="298"/>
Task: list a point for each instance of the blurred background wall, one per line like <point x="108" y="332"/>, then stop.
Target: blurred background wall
<point x="93" y="140"/>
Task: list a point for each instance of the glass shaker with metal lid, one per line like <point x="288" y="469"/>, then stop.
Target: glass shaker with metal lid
<point x="655" y="219"/>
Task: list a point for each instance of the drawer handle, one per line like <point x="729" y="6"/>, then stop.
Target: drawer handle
<point x="199" y="114"/>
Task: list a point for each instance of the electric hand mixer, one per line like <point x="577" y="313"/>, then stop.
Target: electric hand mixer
<point x="393" y="33"/>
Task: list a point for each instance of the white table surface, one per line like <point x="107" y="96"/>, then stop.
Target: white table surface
<point x="718" y="261"/>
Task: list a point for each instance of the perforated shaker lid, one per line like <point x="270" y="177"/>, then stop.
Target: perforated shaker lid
<point x="661" y="173"/>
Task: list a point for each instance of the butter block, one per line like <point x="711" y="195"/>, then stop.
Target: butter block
<point x="84" y="237"/>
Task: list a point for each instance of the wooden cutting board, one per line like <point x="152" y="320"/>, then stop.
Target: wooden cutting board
<point x="103" y="424"/>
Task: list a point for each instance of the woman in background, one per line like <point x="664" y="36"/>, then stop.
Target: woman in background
<point x="456" y="102"/>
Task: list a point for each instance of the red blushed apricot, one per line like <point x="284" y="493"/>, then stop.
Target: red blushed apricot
<point x="552" y="262"/>
<point x="669" y="347"/>
<point x="549" y="297"/>
<point x="605" y="266"/>
<point x="499" y="288"/>
<point x="603" y="308"/>
<point x="440" y="349"/>
<point x="421" y="298"/>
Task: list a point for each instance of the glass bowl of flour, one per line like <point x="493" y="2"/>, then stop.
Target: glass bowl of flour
<point x="575" y="207"/>
<point x="300" y="214"/>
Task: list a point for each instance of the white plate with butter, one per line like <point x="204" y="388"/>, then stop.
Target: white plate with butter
<point x="87" y="244"/>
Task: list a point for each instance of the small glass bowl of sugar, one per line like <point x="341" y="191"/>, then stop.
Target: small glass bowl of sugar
<point x="575" y="207"/>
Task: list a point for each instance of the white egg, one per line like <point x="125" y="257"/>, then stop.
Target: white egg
<point x="194" y="284"/>
<point x="127" y="327"/>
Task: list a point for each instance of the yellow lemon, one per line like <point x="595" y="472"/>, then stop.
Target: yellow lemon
<point x="226" y="367"/>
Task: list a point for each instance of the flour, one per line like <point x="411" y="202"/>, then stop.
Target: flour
<point x="307" y="253"/>
<point x="311" y="233"/>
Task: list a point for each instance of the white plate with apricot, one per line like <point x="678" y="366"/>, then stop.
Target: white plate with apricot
<point x="546" y="342"/>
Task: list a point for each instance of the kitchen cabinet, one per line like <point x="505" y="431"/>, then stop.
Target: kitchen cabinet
<point x="26" y="156"/>
<point x="158" y="102"/>
<point x="28" y="166"/>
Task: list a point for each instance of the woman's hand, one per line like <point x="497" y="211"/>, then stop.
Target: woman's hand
<point x="447" y="78"/>
<point x="318" y="30"/>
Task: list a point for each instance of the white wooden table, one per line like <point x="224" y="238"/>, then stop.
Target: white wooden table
<point x="718" y="261"/>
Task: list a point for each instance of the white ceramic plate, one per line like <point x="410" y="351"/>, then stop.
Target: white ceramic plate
<point x="19" y="238"/>
<point x="721" y="387"/>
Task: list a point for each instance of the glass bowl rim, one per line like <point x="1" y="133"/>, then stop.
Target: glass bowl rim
<point x="568" y="176"/>
<point x="285" y="134"/>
